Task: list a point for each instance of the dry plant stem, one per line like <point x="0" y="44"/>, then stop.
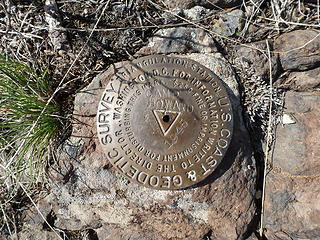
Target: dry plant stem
<point x="302" y="46"/>
<point x="108" y="29"/>
<point x="247" y="24"/>
<point x="6" y="220"/>
<point x="266" y="159"/>
<point x="318" y="11"/>
<point x="27" y="35"/>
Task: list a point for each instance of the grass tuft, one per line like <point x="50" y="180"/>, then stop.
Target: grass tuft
<point x="27" y="123"/>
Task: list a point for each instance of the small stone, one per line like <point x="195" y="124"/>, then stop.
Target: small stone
<point x="179" y="40"/>
<point x="229" y="23"/>
<point x="288" y="119"/>
<point x="258" y="194"/>
<point x="299" y="50"/>
<point x="32" y="216"/>
<point x="196" y="13"/>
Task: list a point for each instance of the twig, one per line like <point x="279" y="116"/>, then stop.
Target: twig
<point x="302" y="46"/>
<point x="266" y="159"/>
<point x="318" y="11"/>
<point x="28" y="35"/>
<point x="107" y="29"/>
<point x="253" y="14"/>
<point x="6" y="219"/>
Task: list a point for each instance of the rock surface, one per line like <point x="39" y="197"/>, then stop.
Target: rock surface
<point x="299" y="50"/>
<point x="299" y="154"/>
<point x="34" y="234"/>
<point x="183" y="4"/>
<point x="94" y="196"/>
<point x="229" y="23"/>
<point x="254" y="57"/>
<point x="196" y="13"/>
<point x="292" y="188"/>
<point x="302" y="81"/>
<point x="179" y="40"/>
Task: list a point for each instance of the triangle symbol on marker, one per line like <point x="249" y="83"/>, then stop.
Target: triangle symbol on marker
<point x="166" y="119"/>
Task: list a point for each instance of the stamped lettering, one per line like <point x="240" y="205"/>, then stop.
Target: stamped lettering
<point x="165" y="122"/>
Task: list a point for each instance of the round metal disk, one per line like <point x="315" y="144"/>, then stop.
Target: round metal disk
<point x="165" y="122"/>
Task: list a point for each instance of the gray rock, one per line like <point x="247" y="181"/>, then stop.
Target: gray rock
<point x="34" y="234"/>
<point x="252" y="237"/>
<point x="299" y="154"/>
<point x="292" y="189"/>
<point x="229" y="23"/>
<point x="97" y="197"/>
<point x="302" y="81"/>
<point x="299" y="50"/>
<point x="183" y="4"/>
<point x="179" y="40"/>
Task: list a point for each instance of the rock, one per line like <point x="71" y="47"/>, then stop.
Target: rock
<point x="114" y="234"/>
<point x="221" y="67"/>
<point x="179" y="40"/>
<point x="34" y="235"/>
<point x="229" y="23"/>
<point x="299" y="154"/>
<point x="302" y="81"/>
<point x="32" y="217"/>
<point x="292" y="206"/>
<point x="250" y="57"/>
<point x="184" y="4"/>
<point x="196" y="13"/>
<point x="299" y="50"/>
<point x="97" y="197"/>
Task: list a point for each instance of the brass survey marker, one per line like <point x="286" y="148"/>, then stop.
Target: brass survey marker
<point x="165" y="122"/>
